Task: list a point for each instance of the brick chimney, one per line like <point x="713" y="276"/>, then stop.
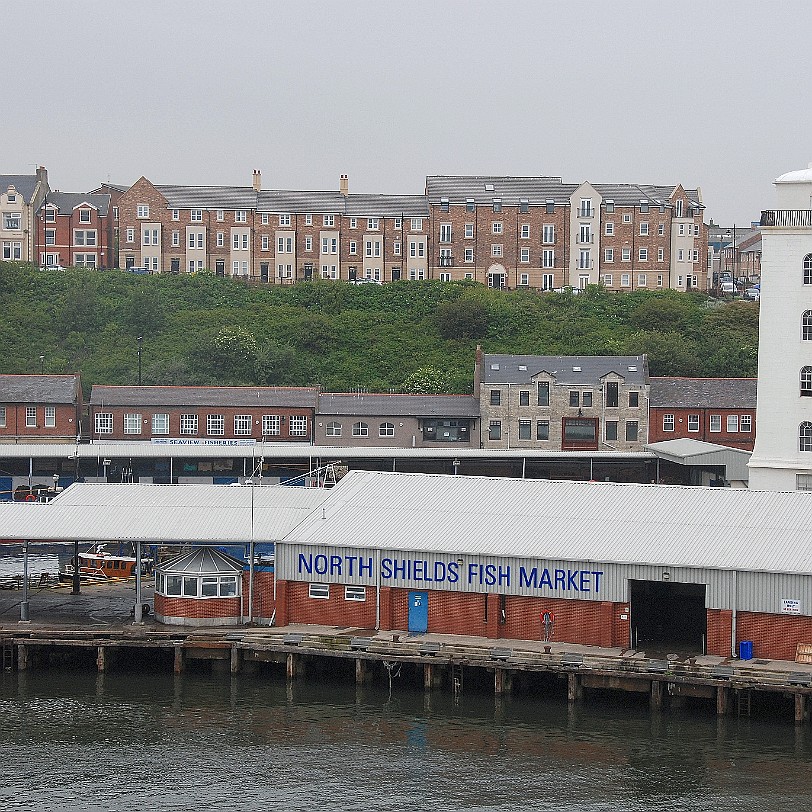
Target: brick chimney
<point x="344" y="185"/>
<point x="257" y="180"/>
<point x="478" y="370"/>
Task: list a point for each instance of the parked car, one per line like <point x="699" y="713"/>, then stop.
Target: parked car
<point x="754" y="294"/>
<point x="726" y="287"/>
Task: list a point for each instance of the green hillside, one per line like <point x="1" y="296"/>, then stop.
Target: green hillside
<point x="198" y="329"/>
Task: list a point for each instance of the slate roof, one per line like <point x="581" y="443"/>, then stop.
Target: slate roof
<point x="24" y="184"/>
<point x="400" y="405"/>
<point x="386" y="206"/>
<point x="209" y="197"/>
<point x="67" y="201"/>
<point x="460" y="188"/>
<point x="116" y="187"/>
<point x="294" y="201"/>
<point x="221" y="396"/>
<point x="567" y="369"/>
<point x="703" y="393"/>
<point x="39" y="388"/>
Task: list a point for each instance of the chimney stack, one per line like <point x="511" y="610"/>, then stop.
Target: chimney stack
<point x="344" y="185"/>
<point x="257" y="180"/>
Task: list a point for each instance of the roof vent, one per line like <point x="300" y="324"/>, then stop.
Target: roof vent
<point x="523" y="367"/>
<point x="632" y="369"/>
<point x="494" y="366"/>
<point x="576" y="369"/>
<point x="488" y="187"/>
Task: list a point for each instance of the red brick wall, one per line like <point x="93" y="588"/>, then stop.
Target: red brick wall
<point x="263" y="603"/>
<point x="738" y="439"/>
<point x="197" y="608"/>
<point x="720" y="625"/>
<point x="334" y="611"/>
<point x="774" y="636"/>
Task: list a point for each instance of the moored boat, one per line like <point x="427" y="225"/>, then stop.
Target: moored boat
<point x="97" y="564"/>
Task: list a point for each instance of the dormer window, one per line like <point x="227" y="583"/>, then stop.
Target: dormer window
<point x="497" y="204"/>
<point x="550" y="206"/>
<point x="644" y="207"/>
<point x="84" y="215"/>
<point x="50" y="215"/>
<point x="11" y="197"/>
<point x="444" y="204"/>
<point x="610" y="206"/>
<point x="470" y="205"/>
<point x="524" y="206"/>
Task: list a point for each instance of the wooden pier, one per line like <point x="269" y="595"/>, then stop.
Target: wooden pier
<point x="432" y="662"/>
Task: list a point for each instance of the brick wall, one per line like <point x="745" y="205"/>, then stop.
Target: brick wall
<point x="719" y="627"/>
<point x="333" y="611"/>
<point x="208" y="608"/>
<point x="774" y="636"/>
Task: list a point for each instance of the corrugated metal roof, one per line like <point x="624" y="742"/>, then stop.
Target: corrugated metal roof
<point x="716" y="528"/>
<point x="168" y="514"/>
<point x="400" y="405"/>
<point x="39" y="388"/>
<point x="703" y="393"/>
<point x="225" y="396"/>
<point x="202" y="561"/>
<point x="567" y="369"/>
<point x="687" y="451"/>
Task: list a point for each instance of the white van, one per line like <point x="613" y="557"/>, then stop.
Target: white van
<point x="726" y="287"/>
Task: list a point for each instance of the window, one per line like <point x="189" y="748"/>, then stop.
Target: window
<point x="215" y="424"/>
<point x="242" y="424"/>
<point x="445" y="232"/>
<point x="803" y="482"/>
<point x="661" y="230"/>
<point x="575" y="398"/>
<point x="746" y="423"/>
<point x="644" y="228"/>
<point x="634" y="400"/>
<point x="398" y="223"/>
<point x="805" y="436"/>
<point x="609" y="229"/>
<point x="631" y="431"/>
<point x="496" y="397"/>
<point x="496" y="228"/>
<point x="2" y="416"/>
<point x="221" y="215"/>
<point x="611" y="394"/>
<point x="197" y="215"/>
<point x="328" y="220"/>
<point x="627" y="218"/>
<point x="586" y="399"/>
<point x="548" y="234"/>
<point x="469" y="255"/>
<point x="84" y="215"/>
<point x="542" y="429"/>
<point x="386" y="430"/>
<point x="360" y="429"/>
<point x="548" y="258"/>
<point x="31" y="417"/>
<point x="732" y="423"/>
<point x="643" y="208"/>
<point x="497" y="204"/>
<point x="524" y="398"/>
<point x="355" y="593"/>
<point x="132" y="423"/>
<point x="668" y="422"/>
<point x="608" y="280"/>
<point x="525" y="429"/>
<point x="87" y="237"/>
<point x="497" y="250"/>
<point x="160" y="424"/>
<point x="524" y="255"/>
<point x="693" y="422"/>
<point x="495" y="430"/>
<point x="808" y="269"/>
<point x="715" y="422"/>
<point x="240" y="217"/>
<point x="84" y="260"/>
<point x="188" y="424"/>
<point x="641" y="280"/>
<point x="130" y="235"/>
<point x="585" y="209"/>
<point x="104" y="423"/>
<point x="142" y="211"/>
<point x="642" y="255"/>
<point x="265" y="242"/>
<point x="611" y="430"/>
<point x="373" y="223"/>
<point x="272" y="425"/>
<point x="544" y="393"/>
<point x="626" y="254"/>
<point x="609" y="256"/>
<point x="806" y="328"/>
<point x="176" y="239"/>
<point x="319" y="591"/>
<point x="525" y="232"/>
<point x="221" y="239"/>
<point x="298" y="425"/>
<point x="660" y="254"/>
<point x="333" y="429"/>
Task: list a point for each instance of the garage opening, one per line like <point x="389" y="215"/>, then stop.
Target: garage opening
<point x="668" y="616"/>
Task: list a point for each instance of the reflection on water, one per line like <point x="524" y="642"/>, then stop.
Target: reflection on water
<point x="41" y="558"/>
<point x="150" y="742"/>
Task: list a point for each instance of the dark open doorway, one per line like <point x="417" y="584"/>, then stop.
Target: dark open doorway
<point x="668" y="615"/>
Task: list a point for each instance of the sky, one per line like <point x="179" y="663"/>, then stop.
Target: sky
<point x="712" y="94"/>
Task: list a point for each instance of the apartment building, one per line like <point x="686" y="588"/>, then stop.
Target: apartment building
<point x="75" y="229"/>
<point x="567" y="403"/>
<point x="20" y="198"/>
<point x="544" y="234"/>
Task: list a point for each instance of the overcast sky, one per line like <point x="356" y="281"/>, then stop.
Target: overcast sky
<point x="711" y="94"/>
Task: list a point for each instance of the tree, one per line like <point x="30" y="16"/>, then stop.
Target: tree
<point x="228" y="358"/>
<point x="462" y="318"/>
<point x="427" y="381"/>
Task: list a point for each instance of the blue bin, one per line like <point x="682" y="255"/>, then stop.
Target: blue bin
<point x="746" y="650"/>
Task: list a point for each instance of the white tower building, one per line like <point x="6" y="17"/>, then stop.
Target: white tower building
<point x="782" y="457"/>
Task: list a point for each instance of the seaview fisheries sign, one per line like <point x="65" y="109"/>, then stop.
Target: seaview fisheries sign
<point x="434" y="571"/>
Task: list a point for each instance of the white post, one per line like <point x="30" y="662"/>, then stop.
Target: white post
<point x="138" y="615"/>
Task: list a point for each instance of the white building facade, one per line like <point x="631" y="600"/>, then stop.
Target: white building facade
<point x="782" y="457"/>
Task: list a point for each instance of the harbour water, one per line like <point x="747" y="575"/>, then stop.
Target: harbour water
<point x="82" y="741"/>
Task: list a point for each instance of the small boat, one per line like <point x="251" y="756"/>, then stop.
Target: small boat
<point x="99" y="565"/>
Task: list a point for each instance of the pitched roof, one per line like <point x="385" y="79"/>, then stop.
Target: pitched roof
<point x="290" y="201"/>
<point x="703" y="393"/>
<point x="209" y="197"/>
<point x="67" y="201"/>
<point x="387" y="206"/>
<point x="222" y="396"/>
<point x="400" y="405"/>
<point x="39" y="388"/>
<point x="586" y="370"/>
<point x="24" y="184"/>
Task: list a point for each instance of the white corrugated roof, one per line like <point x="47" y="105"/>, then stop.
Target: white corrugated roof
<point x="718" y="528"/>
<point x="168" y="514"/>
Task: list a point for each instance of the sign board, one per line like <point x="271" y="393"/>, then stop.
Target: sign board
<point x="195" y="441"/>
<point x="790" y="606"/>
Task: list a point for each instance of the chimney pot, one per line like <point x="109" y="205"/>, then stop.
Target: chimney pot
<point x="257" y="180"/>
<point x="344" y="185"/>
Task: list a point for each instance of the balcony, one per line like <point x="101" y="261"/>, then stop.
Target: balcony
<point x="585" y="239"/>
<point x="787" y="218"/>
<point x="446" y="262"/>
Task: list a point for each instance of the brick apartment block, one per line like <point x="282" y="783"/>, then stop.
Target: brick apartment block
<point x="505" y="232"/>
<point x="75" y="229"/>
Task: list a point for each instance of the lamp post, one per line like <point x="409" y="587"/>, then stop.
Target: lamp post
<point x="41" y="364"/>
<point x="140" y="339"/>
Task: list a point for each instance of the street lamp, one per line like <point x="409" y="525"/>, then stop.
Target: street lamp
<point x="139" y="340"/>
<point x="41" y="364"/>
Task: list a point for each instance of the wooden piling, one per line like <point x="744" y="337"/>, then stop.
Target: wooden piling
<point x="656" y="696"/>
<point x="178" y="666"/>
<point x="101" y="659"/>
<point x="236" y="660"/>
<point x="575" y="691"/>
<point x="800" y="708"/>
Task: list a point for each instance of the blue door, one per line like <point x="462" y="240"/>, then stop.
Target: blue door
<point x="418" y="612"/>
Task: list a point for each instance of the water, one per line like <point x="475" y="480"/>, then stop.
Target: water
<point x="41" y="558"/>
<point x="81" y="741"/>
